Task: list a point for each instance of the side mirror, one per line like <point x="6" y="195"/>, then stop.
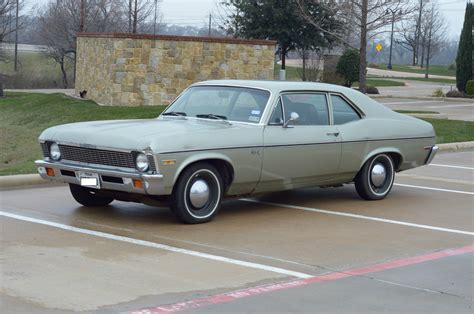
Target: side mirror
<point x="293" y="118"/>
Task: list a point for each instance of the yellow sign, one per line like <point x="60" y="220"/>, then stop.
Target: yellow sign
<point x="378" y="47"/>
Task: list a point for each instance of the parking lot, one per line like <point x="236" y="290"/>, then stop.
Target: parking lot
<point x="305" y="250"/>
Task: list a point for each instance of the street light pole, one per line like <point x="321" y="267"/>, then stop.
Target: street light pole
<point x="391" y="40"/>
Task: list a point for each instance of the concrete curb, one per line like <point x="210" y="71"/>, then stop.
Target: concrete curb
<point x="447" y="99"/>
<point x="454" y="147"/>
<point x="428" y="115"/>
<point x="21" y="180"/>
<point x="14" y="181"/>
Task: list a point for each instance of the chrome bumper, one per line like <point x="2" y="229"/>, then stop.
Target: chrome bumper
<point x="152" y="183"/>
<point x="431" y="155"/>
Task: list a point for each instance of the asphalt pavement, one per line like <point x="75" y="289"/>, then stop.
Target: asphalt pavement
<point x="307" y="250"/>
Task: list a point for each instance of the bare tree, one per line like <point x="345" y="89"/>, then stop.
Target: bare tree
<point x="10" y="23"/>
<point x="8" y="17"/>
<point x="362" y="18"/>
<point x="58" y="26"/>
<point x="436" y="29"/>
<point x="138" y="12"/>
<point x="60" y="21"/>
<point x="107" y="16"/>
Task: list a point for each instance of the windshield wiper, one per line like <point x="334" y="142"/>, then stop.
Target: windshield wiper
<point x="214" y="116"/>
<point x="175" y="114"/>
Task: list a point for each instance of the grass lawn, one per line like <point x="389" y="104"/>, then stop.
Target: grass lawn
<point x="24" y="116"/>
<point x="434" y="69"/>
<point x="36" y="70"/>
<point x="292" y="73"/>
<point x="451" y="131"/>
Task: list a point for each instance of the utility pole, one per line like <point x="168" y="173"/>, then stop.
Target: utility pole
<point x="16" y="36"/>
<point x="417" y="33"/>
<point x="429" y="43"/>
<point x="83" y="14"/>
<point x="210" y="23"/>
<point x="391" y="37"/>
<point x="154" y="18"/>
<point x="129" y="16"/>
<point x="363" y="46"/>
<point x="135" y="17"/>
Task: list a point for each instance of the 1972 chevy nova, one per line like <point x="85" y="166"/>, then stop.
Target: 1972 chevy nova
<point x="233" y="138"/>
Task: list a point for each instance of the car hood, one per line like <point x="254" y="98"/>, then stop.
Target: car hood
<point x="164" y="134"/>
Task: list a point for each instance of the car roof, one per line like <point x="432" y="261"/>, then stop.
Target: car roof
<point x="369" y="106"/>
<point x="278" y="86"/>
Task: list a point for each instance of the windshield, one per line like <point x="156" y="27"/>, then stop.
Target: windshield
<point x="221" y="103"/>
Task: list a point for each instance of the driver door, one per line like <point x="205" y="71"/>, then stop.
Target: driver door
<point x="307" y="151"/>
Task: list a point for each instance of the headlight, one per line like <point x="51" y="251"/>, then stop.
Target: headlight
<point x="54" y="151"/>
<point x="141" y="162"/>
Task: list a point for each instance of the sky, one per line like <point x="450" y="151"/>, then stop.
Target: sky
<point x="196" y="12"/>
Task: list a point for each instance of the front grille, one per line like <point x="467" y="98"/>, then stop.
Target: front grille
<point x="97" y="156"/>
<point x="151" y="161"/>
<point x="45" y="149"/>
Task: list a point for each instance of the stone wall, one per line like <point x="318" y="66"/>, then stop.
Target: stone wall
<point x="133" y="70"/>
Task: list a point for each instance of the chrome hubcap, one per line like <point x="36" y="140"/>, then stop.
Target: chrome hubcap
<point x="199" y="193"/>
<point x="378" y="175"/>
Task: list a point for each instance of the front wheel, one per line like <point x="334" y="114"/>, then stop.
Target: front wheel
<point x="375" y="180"/>
<point x="197" y="194"/>
<point x="89" y="197"/>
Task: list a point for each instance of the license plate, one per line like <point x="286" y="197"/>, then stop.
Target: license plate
<point x="90" y="180"/>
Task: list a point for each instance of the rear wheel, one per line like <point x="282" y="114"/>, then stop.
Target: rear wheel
<point x="197" y="194"/>
<point x="375" y="180"/>
<point x="88" y="196"/>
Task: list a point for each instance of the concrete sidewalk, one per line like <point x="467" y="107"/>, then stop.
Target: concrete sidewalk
<point x="69" y="92"/>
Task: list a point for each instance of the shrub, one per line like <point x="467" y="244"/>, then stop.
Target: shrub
<point x="452" y="67"/>
<point x="470" y="87"/>
<point x="333" y="78"/>
<point x="372" y="90"/>
<point x="457" y="94"/>
<point x="437" y="93"/>
<point x="373" y="65"/>
<point x="348" y="66"/>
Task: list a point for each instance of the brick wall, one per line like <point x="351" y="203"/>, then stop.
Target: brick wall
<point x="132" y="70"/>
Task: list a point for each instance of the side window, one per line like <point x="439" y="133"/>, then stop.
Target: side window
<point x="312" y="108"/>
<point x="277" y="115"/>
<point x="342" y="111"/>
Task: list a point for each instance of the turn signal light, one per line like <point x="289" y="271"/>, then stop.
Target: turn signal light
<point x="138" y="184"/>
<point x="50" y="172"/>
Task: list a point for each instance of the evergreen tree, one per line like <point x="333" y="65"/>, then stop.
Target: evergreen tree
<point x="464" y="64"/>
<point x="280" y="20"/>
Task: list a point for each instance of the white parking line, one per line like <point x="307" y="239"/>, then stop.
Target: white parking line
<point x="345" y="214"/>
<point x="450" y="166"/>
<point x="433" y="189"/>
<point x="157" y="246"/>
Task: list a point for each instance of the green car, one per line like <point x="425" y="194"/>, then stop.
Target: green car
<point x="236" y="138"/>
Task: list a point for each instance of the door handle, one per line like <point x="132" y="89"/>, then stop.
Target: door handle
<point x="333" y="134"/>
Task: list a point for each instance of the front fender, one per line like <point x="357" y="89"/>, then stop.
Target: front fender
<point x="199" y="157"/>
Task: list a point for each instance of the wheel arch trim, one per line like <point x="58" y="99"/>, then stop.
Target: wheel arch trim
<point x="203" y="157"/>
<point x="391" y="151"/>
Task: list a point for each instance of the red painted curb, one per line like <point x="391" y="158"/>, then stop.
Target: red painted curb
<point x="249" y="292"/>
